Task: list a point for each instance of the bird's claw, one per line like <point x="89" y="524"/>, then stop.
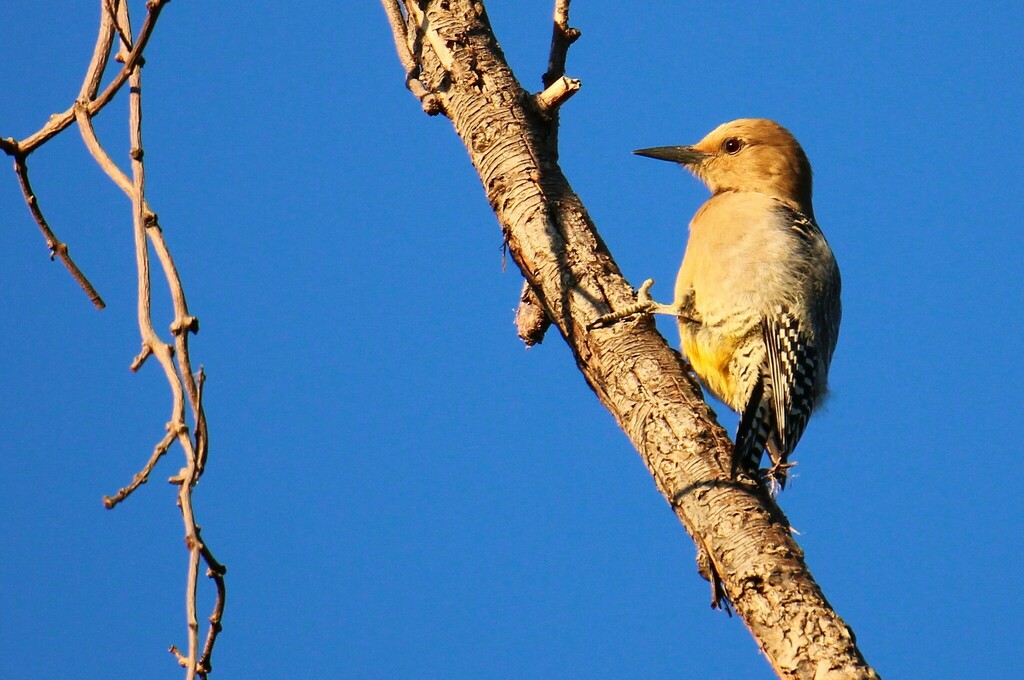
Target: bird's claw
<point x="644" y="294"/>
<point x="643" y="305"/>
<point x="775" y="476"/>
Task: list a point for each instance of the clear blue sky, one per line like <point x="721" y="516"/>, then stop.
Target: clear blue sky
<point x="398" y="488"/>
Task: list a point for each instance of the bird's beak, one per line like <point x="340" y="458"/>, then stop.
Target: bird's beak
<point x="684" y="155"/>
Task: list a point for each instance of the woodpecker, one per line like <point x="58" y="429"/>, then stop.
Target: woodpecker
<point x="757" y="296"/>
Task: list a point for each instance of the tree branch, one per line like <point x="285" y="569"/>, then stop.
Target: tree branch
<point x="558" y="89"/>
<point x="60" y="121"/>
<point x="179" y="377"/>
<point x="58" y="249"/>
<point x="562" y="36"/>
<point x="174" y="359"/>
<point x="739" y="529"/>
<point x="431" y="105"/>
<point x="556" y="94"/>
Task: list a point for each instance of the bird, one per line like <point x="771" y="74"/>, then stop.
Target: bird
<point x="757" y="297"/>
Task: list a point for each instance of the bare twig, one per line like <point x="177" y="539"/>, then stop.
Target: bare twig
<point x="60" y="121"/>
<point x="142" y="476"/>
<point x="101" y="54"/>
<point x="144" y="230"/>
<point x="92" y="143"/>
<point x="562" y="36"/>
<point x="174" y="359"/>
<point x="216" y="571"/>
<point x="183" y="325"/>
<point x="123" y="23"/>
<point x="183" y="660"/>
<point x="90" y="84"/>
<point x="58" y="249"/>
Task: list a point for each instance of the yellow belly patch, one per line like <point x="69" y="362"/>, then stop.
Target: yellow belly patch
<point x="711" y="364"/>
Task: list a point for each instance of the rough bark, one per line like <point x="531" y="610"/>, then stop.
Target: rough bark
<point x="742" y="536"/>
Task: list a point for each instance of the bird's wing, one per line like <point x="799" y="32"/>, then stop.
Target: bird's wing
<point x="792" y="365"/>
<point x="753" y="431"/>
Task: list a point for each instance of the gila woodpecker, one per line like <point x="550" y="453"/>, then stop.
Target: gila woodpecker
<point x="757" y="296"/>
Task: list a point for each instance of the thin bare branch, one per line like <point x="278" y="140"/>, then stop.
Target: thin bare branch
<point x="101" y="54"/>
<point x="60" y="121"/>
<point x="193" y="544"/>
<point x="562" y="36"/>
<point x="216" y="571"/>
<point x="92" y="143"/>
<point x="186" y="478"/>
<point x="123" y="24"/>
<point x="183" y="660"/>
<point x="58" y="249"/>
<point x="142" y="476"/>
<point x="183" y="325"/>
<point x="115" y="24"/>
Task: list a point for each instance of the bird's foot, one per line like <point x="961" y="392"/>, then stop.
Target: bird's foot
<point x="644" y="305"/>
<point x="775" y="476"/>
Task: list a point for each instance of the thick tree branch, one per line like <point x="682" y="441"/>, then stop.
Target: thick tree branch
<point x="739" y="529"/>
<point x="558" y="89"/>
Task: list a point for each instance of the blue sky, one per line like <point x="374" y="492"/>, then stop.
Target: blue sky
<point x="397" y="487"/>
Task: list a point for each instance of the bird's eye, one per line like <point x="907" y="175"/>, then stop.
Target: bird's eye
<point x="732" y="145"/>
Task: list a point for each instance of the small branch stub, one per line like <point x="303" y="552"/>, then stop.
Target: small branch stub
<point x="557" y="94"/>
<point x="532" y="321"/>
<point x="189" y="324"/>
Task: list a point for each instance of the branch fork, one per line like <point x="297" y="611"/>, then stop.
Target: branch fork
<point x="185" y="386"/>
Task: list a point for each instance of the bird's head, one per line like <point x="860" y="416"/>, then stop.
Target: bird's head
<point x="749" y="154"/>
